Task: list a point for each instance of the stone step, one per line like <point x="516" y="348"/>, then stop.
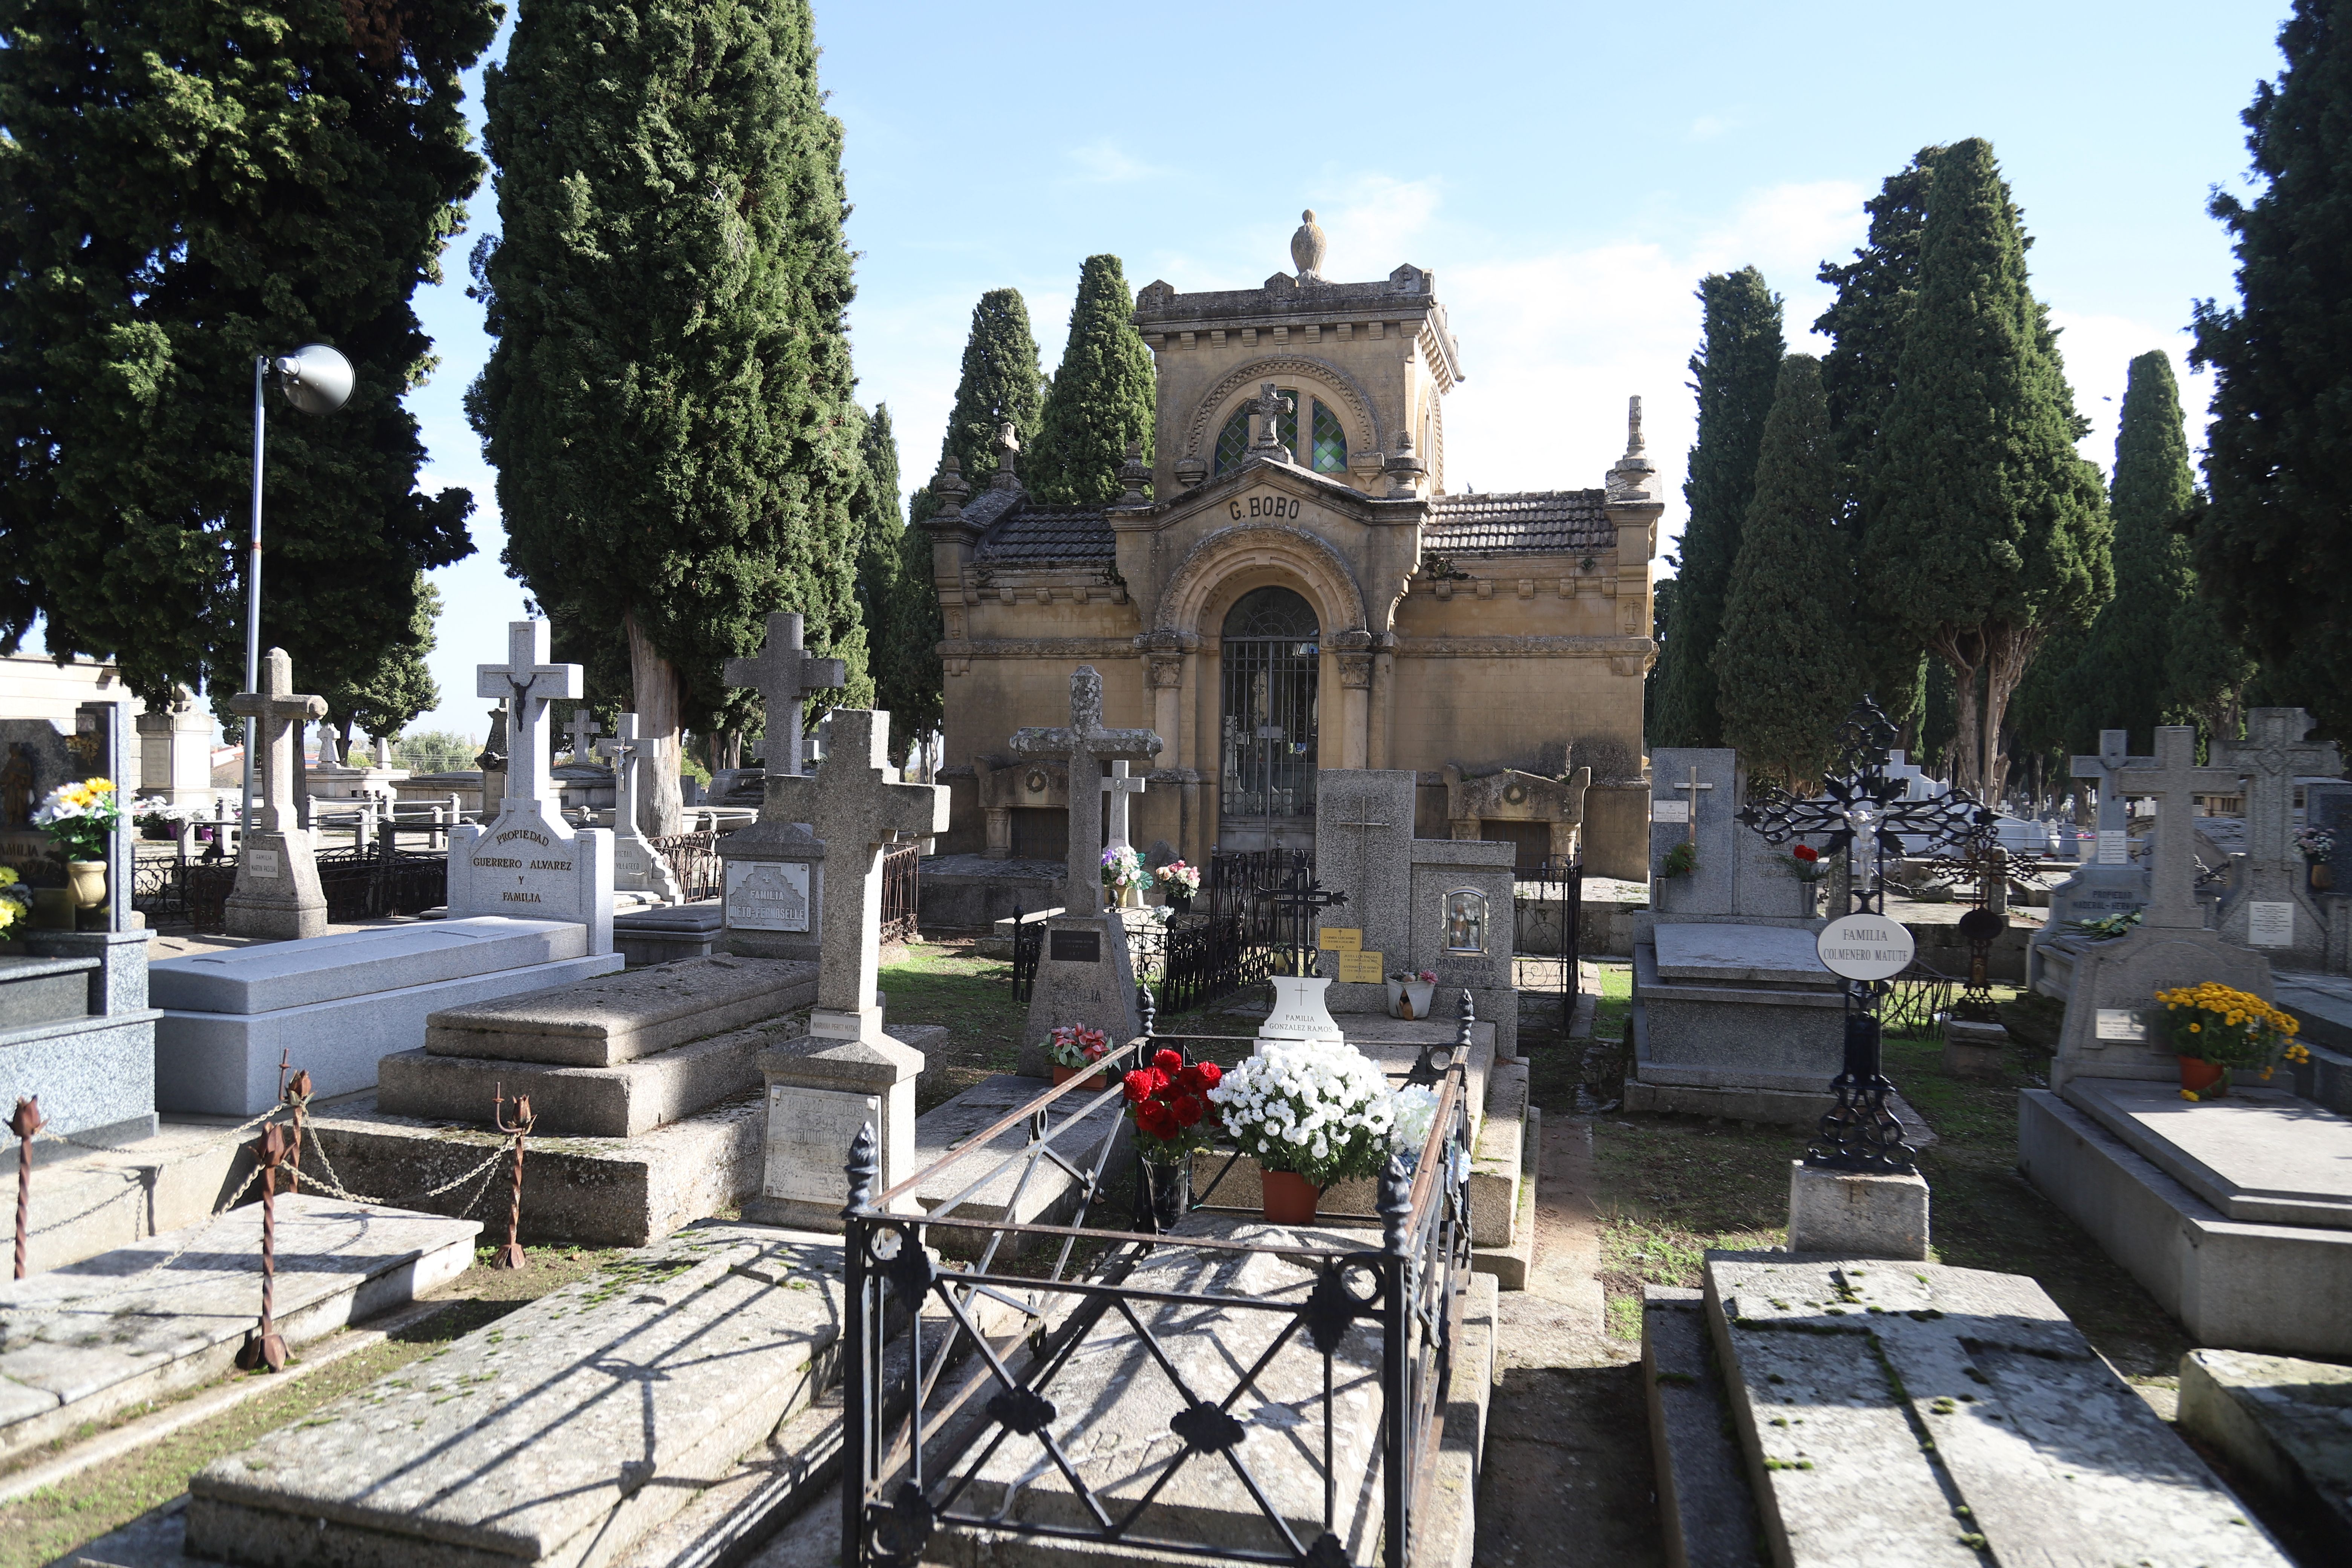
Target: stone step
<point x="1498" y="1157"/>
<point x="2281" y="1425"/>
<point x="37" y="991"/>
<point x="1704" y="1510"/>
<point x="82" y="1341"/>
<point x="562" y="1434"/>
<point x="620" y="1017"/>
<point x="1511" y="1262"/>
<point x="1921" y="1414"/>
<point x="625" y="1099"/>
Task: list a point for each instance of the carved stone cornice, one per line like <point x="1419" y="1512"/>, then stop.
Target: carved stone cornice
<point x="1526" y="647"/>
<point x="1039" y="647"/>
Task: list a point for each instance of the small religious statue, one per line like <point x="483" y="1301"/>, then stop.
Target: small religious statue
<point x="17" y="795"/>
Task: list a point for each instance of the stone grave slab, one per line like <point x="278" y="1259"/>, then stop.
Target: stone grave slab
<point x="560" y="1434"/>
<point x="1732" y="955"/>
<point x="2285" y="1423"/>
<point x="1363" y="848"/>
<point x="76" y="1029"/>
<point x="1113" y="1401"/>
<point x="2257" y="1154"/>
<point x="1046" y="1193"/>
<point x="339" y="1003"/>
<point x="2033" y="1447"/>
<point x="664" y="933"/>
<point x="2233" y="1284"/>
<point x="2322" y="1005"/>
<point x="1732" y="1033"/>
<point x="82" y="1341"/>
<point x="620" y="1017"/>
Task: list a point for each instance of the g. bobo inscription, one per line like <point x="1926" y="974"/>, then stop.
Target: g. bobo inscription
<point x="1263" y="506"/>
<point x="522" y="864"/>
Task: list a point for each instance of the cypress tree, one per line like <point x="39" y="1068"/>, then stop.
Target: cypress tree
<point x="668" y="402"/>
<point x="1101" y="398"/>
<point x="2275" y="549"/>
<point x="1865" y="324"/>
<point x="186" y="186"/>
<point x="1785" y="663"/>
<point x="399" y="687"/>
<point x="1000" y="382"/>
<point x="2121" y="681"/>
<point x="1737" y="366"/>
<point x="1982" y="529"/>
<point x="881" y="574"/>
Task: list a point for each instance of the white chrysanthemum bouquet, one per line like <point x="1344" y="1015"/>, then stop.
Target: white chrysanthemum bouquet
<point x="81" y="818"/>
<point x="1313" y="1108"/>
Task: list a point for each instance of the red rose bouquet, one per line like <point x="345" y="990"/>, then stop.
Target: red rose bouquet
<point x="1170" y="1102"/>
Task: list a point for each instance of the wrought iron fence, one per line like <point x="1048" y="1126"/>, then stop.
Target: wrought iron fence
<point x="1028" y="947"/>
<point x="916" y="1452"/>
<point x="1548" y="916"/>
<point x="693" y="859"/>
<point x="360" y="884"/>
<point x="902" y="891"/>
<point x="1915" y="1000"/>
<point x="1234" y="880"/>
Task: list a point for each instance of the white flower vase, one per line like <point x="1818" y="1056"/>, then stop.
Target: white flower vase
<point x="1411" y="998"/>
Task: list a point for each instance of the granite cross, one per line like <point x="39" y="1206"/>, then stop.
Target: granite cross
<point x="2115" y="757"/>
<point x="1085" y="742"/>
<point x="786" y="673"/>
<point x="1118" y="787"/>
<point x="529" y="680"/>
<point x="278" y="713"/>
<point x="1269" y="407"/>
<point x="621" y="750"/>
<point x="583" y="732"/>
<point x="2173" y="780"/>
<point x="2272" y="753"/>
<point x="857" y="806"/>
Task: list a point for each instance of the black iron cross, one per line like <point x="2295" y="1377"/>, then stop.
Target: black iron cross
<point x="1301" y="898"/>
<point x="1861" y="810"/>
<point x="1988" y="866"/>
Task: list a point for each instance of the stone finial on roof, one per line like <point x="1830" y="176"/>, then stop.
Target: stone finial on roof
<point x="1133" y="476"/>
<point x="948" y="489"/>
<point x="1008" y="448"/>
<point x="1405" y="469"/>
<point x="1307" y="247"/>
<point x="1633" y="478"/>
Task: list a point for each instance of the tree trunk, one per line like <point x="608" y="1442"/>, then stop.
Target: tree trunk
<point x="1962" y="647"/>
<point x="661" y="809"/>
<point x="2009" y="654"/>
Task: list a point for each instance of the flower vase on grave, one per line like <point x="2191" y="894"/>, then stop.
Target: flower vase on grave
<point x="1410" y="996"/>
<point x="87" y="881"/>
<point x="2206" y="1080"/>
<point x="1130" y="897"/>
<point x="1288" y="1198"/>
<point x="2322" y="876"/>
<point x="1164" y="1191"/>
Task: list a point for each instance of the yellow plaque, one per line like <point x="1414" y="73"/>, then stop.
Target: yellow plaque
<point x="1340" y="939"/>
<point x="1360" y="968"/>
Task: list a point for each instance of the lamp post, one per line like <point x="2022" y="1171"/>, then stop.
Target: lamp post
<point x="316" y="379"/>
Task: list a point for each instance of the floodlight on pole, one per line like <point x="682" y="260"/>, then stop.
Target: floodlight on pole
<point x="316" y="379"/>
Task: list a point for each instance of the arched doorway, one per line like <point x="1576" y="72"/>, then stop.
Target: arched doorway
<point x="1270" y="659"/>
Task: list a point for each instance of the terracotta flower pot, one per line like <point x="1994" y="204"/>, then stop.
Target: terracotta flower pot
<point x="1095" y="1080"/>
<point x="1290" y="1198"/>
<point x="2207" y="1081"/>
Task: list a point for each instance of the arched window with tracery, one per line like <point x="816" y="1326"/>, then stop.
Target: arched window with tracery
<point x="1329" y="454"/>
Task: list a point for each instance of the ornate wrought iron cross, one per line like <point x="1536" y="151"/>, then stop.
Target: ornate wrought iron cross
<point x="1301" y="898"/>
<point x="1863" y="812"/>
<point x="1988" y="866"/>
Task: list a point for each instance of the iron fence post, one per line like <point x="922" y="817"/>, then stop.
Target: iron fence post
<point x="511" y="1255"/>
<point x="863" y="1169"/>
<point x="266" y="1346"/>
<point x="24" y="1124"/>
<point x="1395" y="1207"/>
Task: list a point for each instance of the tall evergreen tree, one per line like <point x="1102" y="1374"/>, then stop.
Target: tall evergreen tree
<point x="1982" y="528"/>
<point x="882" y="584"/>
<point x="1101" y="398"/>
<point x="668" y="402"/>
<point x="1000" y="382"/>
<point x="1784" y="666"/>
<point x="1865" y="324"/>
<point x="399" y="687"/>
<point x="2121" y="681"/>
<point x="2274" y="548"/>
<point x="1737" y="366"/>
<point x="184" y="186"/>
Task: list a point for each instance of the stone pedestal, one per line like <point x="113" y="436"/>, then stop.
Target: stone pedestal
<point x="1837" y="1214"/>
<point x="772" y="885"/>
<point x="1086" y="975"/>
<point x="822" y="1088"/>
<point x="277" y="896"/>
<point x="1975" y="1052"/>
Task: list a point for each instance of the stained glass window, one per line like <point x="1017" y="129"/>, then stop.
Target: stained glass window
<point x="1330" y="442"/>
<point x="1233" y="441"/>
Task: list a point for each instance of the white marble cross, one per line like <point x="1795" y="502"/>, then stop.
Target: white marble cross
<point x="2115" y="757"/>
<point x="528" y="682"/>
<point x="621" y="750"/>
<point x="583" y="735"/>
<point x="1084" y="741"/>
<point x="2173" y="780"/>
<point x="786" y="673"/>
<point x="279" y="714"/>
<point x="2271" y="756"/>
<point x="857" y="806"/>
<point x="1118" y="787"/>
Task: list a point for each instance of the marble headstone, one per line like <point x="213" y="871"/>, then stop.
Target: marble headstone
<point x="2269" y="905"/>
<point x="1363" y="848"/>
<point x="1739" y="876"/>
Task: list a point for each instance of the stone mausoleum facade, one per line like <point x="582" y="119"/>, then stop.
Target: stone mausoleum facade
<point x="1300" y="591"/>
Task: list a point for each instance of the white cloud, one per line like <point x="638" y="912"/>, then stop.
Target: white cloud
<point x="1707" y="127"/>
<point x="1104" y="162"/>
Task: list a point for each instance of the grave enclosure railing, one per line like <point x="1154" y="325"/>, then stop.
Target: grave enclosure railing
<point x="693" y="859"/>
<point x="1547" y="916"/>
<point x="916" y="1446"/>
<point x="360" y="884"/>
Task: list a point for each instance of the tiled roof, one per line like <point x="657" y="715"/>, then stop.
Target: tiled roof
<point x="1526" y="523"/>
<point x="1044" y="534"/>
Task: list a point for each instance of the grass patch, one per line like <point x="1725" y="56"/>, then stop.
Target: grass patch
<point x="40" y="1528"/>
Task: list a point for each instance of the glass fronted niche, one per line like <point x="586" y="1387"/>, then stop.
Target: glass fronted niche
<point x="1270" y="661"/>
<point x="1329" y="453"/>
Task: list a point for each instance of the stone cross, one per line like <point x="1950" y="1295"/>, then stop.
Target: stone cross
<point x="529" y="680"/>
<point x="382" y="752"/>
<point x="1269" y="407"/>
<point x="857" y="806"/>
<point x="1690" y="833"/>
<point x="327" y="756"/>
<point x="2272" y="753"/>
<point x="1118" y="787"/>
<point x="2173" y="780"/>
<point x="621" y="750"/>
<point x="2114" y="748"/>
<point x="1084" y="741"/>
<point x="584" y="732"/>
<point x="1008" y="453"/>
<point x="279" y="714"/>
<point x="786" y="673"/>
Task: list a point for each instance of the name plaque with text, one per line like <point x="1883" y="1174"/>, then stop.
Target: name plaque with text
<point x="1075" y="946"/>
<point x="768" y="895"/>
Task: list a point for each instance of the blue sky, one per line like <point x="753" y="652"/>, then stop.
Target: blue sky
<point x="1568" y="171"/>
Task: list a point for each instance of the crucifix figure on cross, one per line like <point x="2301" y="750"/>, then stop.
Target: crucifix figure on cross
<point x="786" y="675"/>
<point x="1085" y="743"/>
<point x="635" y="866"/>
<point x="1117" y="785"/>
<point x="1269" y="407"/>
<point x="529" y="680"/>
<point x="583" y="735"/>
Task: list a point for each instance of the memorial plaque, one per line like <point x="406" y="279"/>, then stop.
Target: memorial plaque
<point x="1865" y="947"/>
<point x="768" y="895"/>
<point x="1674" y="810"/>
<point x="2114" y="846"/>
<point x="262" y="863"/>
<point x="525" y="867"/>
<point x="1074" y="947"/>
<point x="2122" y="1024"/>
<point x="2270" y="925"/>
<point x="809" y="1134"/>
<point x="1300" y="1010"/>
<point x="1340" y="939"/>
<point x="1360" y="967"/>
